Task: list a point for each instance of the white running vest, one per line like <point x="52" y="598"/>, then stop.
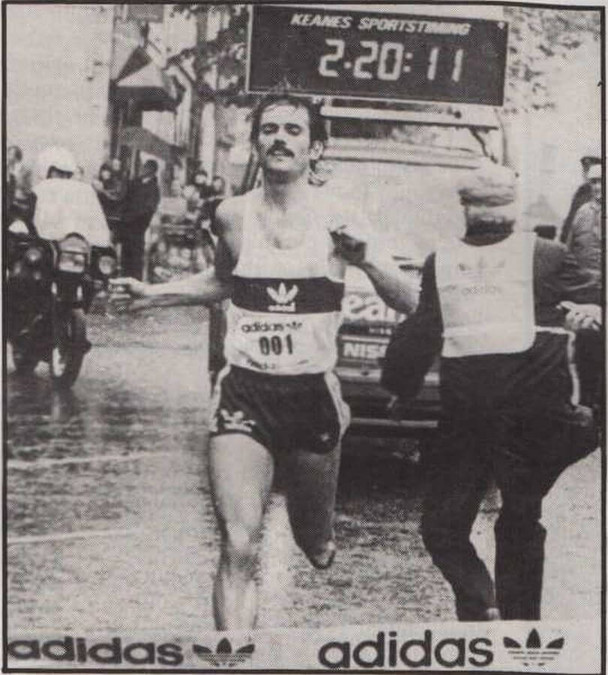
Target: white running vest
<point x="486" y="295"/>
<point x="285" y="311"/>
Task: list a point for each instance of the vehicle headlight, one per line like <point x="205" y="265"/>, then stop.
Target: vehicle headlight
<point x="18" y="227"/>
<point x="106" y="265"/>
<point x="71" y="261"/>
<point x="73" y="254"/>
<point x="33" y="256"/>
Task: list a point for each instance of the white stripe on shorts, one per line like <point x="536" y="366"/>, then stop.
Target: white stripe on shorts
<point x="576" y="384"/>
<point x="214" y="402"/>
<point x="342" y="409"/>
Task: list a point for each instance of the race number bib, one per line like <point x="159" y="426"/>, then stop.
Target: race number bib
<point x="276" y="343"/>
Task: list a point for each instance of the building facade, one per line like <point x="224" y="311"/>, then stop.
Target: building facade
<point x="58" y="61"/>
<point x="92" y="78"/>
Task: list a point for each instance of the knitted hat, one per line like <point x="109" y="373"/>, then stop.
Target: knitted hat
<point x="490" y="185"/>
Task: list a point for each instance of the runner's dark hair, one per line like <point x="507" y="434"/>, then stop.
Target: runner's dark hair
<point x="317" y="125"/>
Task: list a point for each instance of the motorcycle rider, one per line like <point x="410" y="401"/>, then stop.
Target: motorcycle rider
<point x="62" y="205"/>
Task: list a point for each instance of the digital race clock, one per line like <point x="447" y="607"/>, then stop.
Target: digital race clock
<point x="363" y="54"/>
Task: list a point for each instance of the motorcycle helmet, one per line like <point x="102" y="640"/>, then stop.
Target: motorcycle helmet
<point x="56" y="158"/>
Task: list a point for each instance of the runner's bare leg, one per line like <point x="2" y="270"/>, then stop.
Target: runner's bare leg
<point x="241" y="472"/>
<point x="311" y="499"/>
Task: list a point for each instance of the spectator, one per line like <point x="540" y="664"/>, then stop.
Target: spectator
<point x="116" y="166"/>
<point x="174" y="207"/>
<point x="141" y="201"/>
<point x="202" y="185"/>
<point x="9" y="190"/>
<point x="20" y="184"/>
<point x="581" y="196"/>
<point x="585" y="242"/>
<point x="118" y="174"/>
<point x="110" y="190"/>
<point x="219" y="186"/>
<point x="585" y="236"/>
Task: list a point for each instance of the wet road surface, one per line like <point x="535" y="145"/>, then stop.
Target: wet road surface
<point x="111" y="526"/>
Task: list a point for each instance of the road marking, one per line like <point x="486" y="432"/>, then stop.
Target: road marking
<point x="42" y="463"/>
<point x="67" y="536"/>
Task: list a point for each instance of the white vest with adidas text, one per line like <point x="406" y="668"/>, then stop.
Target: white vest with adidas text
<point x="285" y="310"/>
<point x="486" y="294"/>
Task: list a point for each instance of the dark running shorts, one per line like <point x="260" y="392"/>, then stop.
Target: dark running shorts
<point x="282" y="413"/>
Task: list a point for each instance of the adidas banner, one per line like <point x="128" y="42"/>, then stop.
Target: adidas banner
<point x="527" y="647"/>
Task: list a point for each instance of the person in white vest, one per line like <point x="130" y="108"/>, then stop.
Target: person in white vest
<point x="281" y="259"/>
<point x="63" y="205"/>
<point x="490" y="306"/>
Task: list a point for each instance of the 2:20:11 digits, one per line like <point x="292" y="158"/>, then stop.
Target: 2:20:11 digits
<point x="383" y="60"/>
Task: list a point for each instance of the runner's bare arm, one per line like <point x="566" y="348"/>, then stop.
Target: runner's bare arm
<point x="395" y="288"/>
<point x="211" y="285"/>
<point x="203" y="288"/>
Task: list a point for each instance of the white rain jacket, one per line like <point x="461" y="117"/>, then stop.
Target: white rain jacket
<point x="64" y="206"/>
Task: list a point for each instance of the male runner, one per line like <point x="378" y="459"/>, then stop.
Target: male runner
<point x="281" y="258"/>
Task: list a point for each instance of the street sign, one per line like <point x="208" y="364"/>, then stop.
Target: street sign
<point x="367" y="54"/>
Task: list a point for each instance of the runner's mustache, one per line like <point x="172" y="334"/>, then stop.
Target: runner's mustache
<point x="282" y="148"/>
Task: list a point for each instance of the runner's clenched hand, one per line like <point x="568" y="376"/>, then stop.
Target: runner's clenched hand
<point x="351" y="247"/>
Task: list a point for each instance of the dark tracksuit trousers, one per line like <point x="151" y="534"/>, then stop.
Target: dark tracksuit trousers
<point x="508" y="419"/>
<point x="133" y="249"/>
<point x="523" y="451"/>
<point x="589" y="362"/>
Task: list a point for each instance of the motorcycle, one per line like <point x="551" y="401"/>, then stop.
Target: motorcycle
<point x="50" y="286"/>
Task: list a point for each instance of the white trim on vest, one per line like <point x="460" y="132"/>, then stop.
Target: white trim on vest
<point x="486" y="294"/>
<point x="297" y="343"/>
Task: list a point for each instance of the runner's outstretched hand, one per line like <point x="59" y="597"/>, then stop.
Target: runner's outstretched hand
<point x="125" y="292"/>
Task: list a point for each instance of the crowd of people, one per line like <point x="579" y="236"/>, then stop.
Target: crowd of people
<point x="506" y="384"/>
<point x="129" y="205"/>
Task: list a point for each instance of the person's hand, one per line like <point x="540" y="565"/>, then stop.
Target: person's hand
<point x="97" y="184"/>
<point x="349" y="246"/>
<point x="125" y="292"/>
<point x="582" y="317"/>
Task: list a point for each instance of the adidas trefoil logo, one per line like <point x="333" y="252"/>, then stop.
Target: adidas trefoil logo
<point x="235" y="421"/>
<point x="224" y="656"/>
<point x="283" y="298"/>
<point x="533" y="653"/>
<point x="481" y="266"/>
